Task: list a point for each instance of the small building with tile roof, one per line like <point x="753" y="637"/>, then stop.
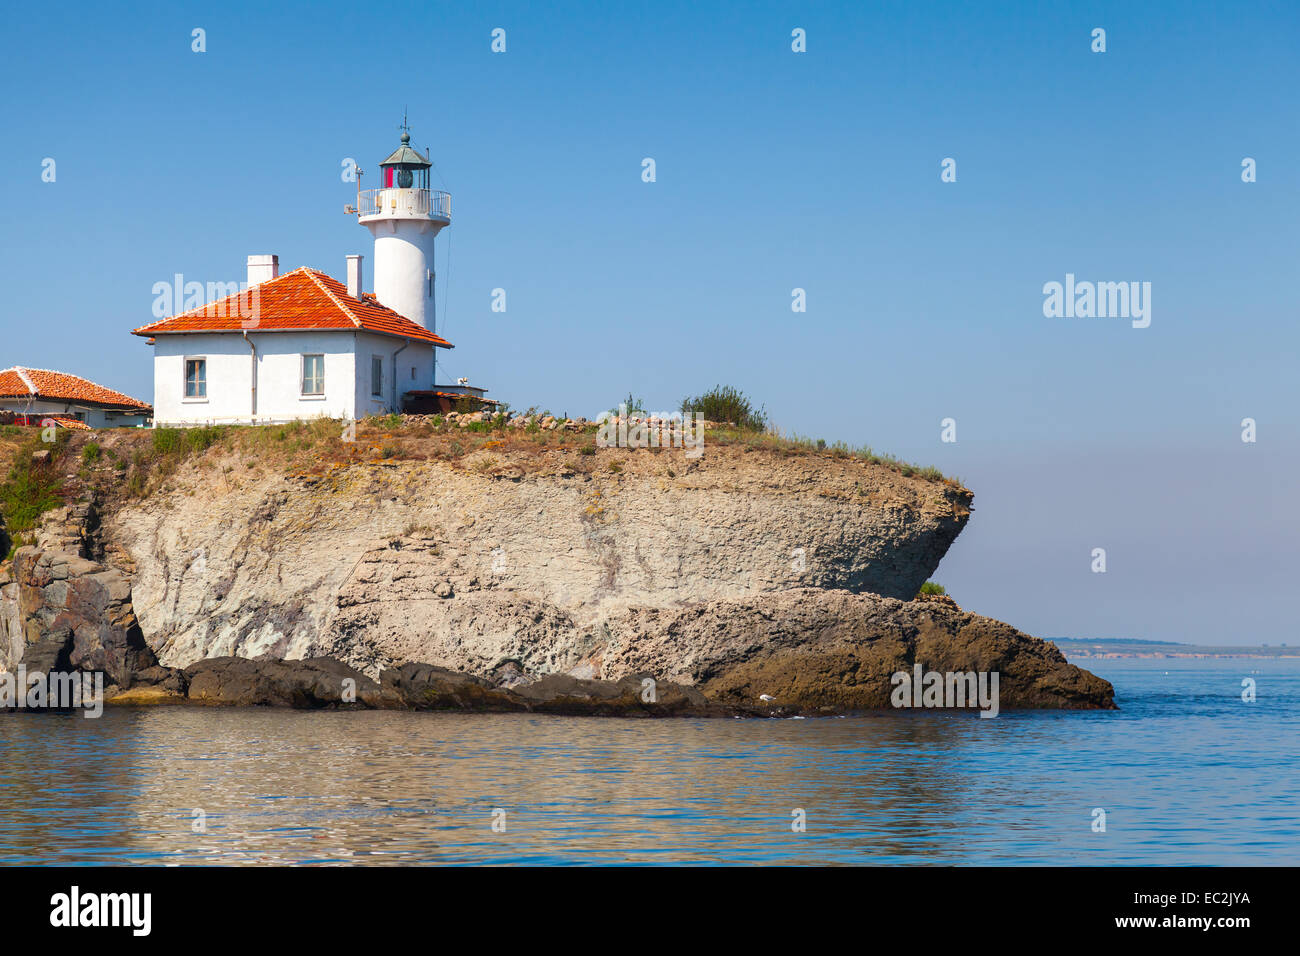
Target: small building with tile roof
<point x="304" y="345"/>
<point x="32" y="395"/>
<point x="295" y="346"/>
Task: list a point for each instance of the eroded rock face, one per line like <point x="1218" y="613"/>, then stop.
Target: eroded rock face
<point x="61" y="612"/>
<point x="275" y="566"/>
<point x="839" y="650"/>
<point x="412" y="600"/>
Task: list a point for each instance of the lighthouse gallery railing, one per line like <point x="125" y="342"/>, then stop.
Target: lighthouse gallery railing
<point x="405" y="202"/>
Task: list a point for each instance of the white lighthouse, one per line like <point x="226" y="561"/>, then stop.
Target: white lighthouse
<point x="404" y="215"/>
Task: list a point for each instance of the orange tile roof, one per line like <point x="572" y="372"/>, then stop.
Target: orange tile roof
<point x="296" y="301"/>
<point x="69" y="423"/>
<point x="22" y="382"/>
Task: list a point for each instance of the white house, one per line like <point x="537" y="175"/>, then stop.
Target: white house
<point x="304" y="345"/>
<point x="33" y="395"/>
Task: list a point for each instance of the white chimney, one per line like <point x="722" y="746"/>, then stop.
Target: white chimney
<point x="355" y="281"/>
<point x="262" y="269"/>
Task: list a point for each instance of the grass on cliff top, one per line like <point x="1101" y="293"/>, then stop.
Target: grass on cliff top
<point x="30" y="487"/>
<point x="136" y="462"/>
<point x="797" y="444"/>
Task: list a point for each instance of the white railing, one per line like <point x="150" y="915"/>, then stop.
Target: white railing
<point x="405" y="202"/>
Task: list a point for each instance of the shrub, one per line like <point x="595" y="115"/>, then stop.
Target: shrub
<point x="635" y="406"/>
<point x="930" y="587"/>
<point x="723" y="403"/>
<point x="167" y="441"/>
<point x="201" y="439"/>
<point x="90" y="453"/>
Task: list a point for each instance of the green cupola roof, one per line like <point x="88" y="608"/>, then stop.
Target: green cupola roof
<point x="406" y="156"/>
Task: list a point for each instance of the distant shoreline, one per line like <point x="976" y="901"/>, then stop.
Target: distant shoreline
<point x="1114" y="648"/>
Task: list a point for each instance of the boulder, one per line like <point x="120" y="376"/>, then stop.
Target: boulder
<point x="816" y="650"/>
<point x="312" y="684"/>
<point x="76" y="614"/>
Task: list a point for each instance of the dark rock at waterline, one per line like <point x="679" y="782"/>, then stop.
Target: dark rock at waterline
<point x="324" y="683"/>
<point x="311" y="684"/>
<point x="562" y="694"/>
<point x="427" y="687"/>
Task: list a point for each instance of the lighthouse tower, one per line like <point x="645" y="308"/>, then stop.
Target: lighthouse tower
<point x="404" y="215"/>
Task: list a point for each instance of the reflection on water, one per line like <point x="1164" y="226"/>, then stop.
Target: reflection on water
<point x="1186" y="773"/>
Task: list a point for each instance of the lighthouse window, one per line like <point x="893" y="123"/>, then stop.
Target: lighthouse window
<point x="196" y="378"/>
<point x="376" y="376"/>
<point x="313" y="374"/>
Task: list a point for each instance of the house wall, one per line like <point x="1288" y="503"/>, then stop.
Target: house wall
<point x="416" y="356"/>
<point x="229" y="377"/>
<point x="279" y="376"/>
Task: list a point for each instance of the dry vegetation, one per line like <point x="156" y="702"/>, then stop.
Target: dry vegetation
<point x="134" y="463"/>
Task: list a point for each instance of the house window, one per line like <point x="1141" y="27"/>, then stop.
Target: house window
<point x="377" y="376"/>
<point x="313" y="374"/>
<point x="196" y="378"/>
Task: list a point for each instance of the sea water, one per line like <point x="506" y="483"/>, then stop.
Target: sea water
<point x="1186" y="772"/>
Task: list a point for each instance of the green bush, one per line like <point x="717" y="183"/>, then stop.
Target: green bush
<point x="930" y="587"/>
<point x="723" y="403"/>
<point x="178" y="442"/>
<point x="90" y="453"/>
<point x="167" y="441"/>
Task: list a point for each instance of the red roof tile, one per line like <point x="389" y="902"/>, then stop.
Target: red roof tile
<point x="21" y="382"/>
<point x="296" y="301"/>
<point x="71" y="423"/>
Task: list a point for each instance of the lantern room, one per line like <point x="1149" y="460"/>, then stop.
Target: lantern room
<point x="406" y="168"/>
<point x="403" y="191"/>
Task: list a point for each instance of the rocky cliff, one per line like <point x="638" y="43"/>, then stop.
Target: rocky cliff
<point x="748" y="571"/>
<point x="510" y="558"/>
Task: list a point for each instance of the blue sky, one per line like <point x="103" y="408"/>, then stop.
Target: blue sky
<point x="775" y="170"/>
